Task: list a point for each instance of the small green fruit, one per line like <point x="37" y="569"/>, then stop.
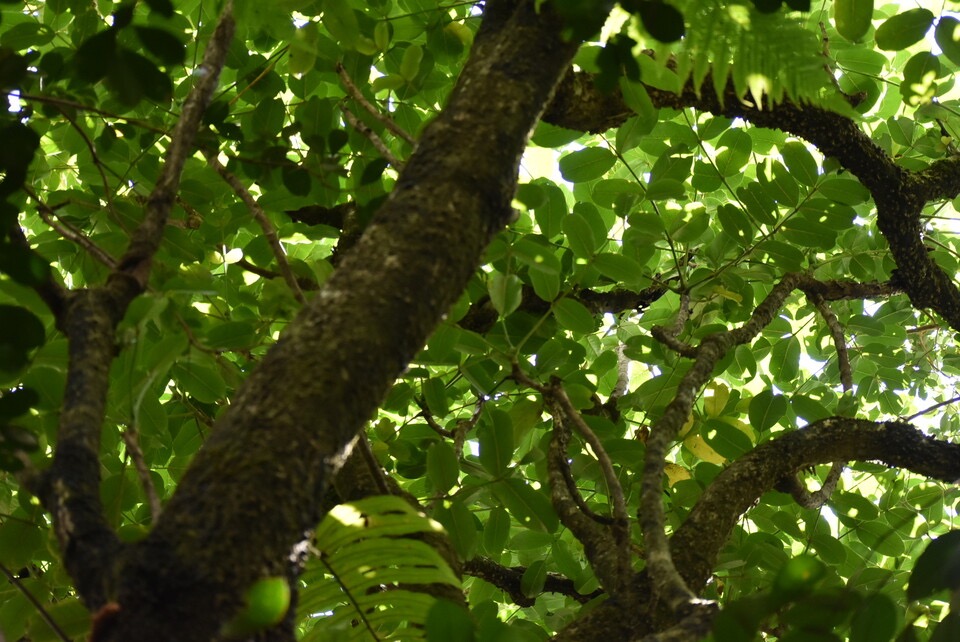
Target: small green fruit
<point x="266" y="604"/>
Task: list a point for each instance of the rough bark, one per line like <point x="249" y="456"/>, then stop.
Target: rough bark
<point x="254" y="489"/>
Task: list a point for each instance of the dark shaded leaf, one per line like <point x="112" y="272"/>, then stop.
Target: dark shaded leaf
<point x="162" y="44"/>
<point x="95" y="57"/>
<point x="662" y="21"/>
<point x="904" y="29"/>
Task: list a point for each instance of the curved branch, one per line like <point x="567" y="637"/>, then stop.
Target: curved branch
<point x="698" y="541"/>
<point x="898" y="193"/>
<point x="664" y="432"/>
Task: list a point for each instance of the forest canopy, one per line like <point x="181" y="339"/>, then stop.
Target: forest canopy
<point x="502" y="320"/>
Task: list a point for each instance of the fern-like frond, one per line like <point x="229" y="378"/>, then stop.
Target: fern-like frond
<point x="771" y="55"/>
<point x="364" y="584"/>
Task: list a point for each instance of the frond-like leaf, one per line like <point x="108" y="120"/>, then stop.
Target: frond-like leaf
<point x="771" y="55"/>
<point x="364" y="585"/>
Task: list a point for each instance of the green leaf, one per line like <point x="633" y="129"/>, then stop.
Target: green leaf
<point x="265" y="604"/>
<point x="853" y="18"/>
<point x="785" y="256"/>
<point x="19" y="540"/>
<point x="534" y="578"/>
<point x="881" y="538"/>
<point x="496" y="531"/>
<point x="17" y="402"/>
<point x="937" y="568"/>
<point x="619" y="268"/>
<point x="875" y="620"/>
<point x="947" y="36"/>
<point x="661" y="20"/>
<point x="586" y="164"/>
<point x="21" y="328"/>
<point x="496" y="443"/>
<point x="574" y="316"/>
<point x="735" y="224"/>
<point x="506" y="292"/>
<point x="800" y="162"/>
<point x="25" y="35"/>
<point x="728" y="441"/>
<point x="579" y="235"/>
<point x="449" y="621"/>
<point x="95" y="57"/>
<point x="785" y="360"/>
<point x="410" y="64"/>
<point x="232" y="335"/>
<point x="163" y="7"/>
<point x="529" y="507"/>
<point x="341" y="21"/>
<point x="72" y="618"/>
<point x="461" y="526"/>
<point x="162" y="44"/>
<point x="442" y="466"/>
<point x="552" y="211"/>
<point x="202" y="382"/>
<point x="904" y="29"/>
<point x="736" y="147"/>
<point x="664" y="189"/>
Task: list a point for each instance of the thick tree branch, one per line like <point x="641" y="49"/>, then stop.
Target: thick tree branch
<point x="664" y="432"/>
<point x="70" y="489"/>
<point x="699" y="539"/>
<point x="898" y="193"/>
<point x="306" y="400"/>
<point x="697" y="542"/>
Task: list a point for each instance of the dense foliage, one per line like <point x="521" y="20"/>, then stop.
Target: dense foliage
<point x="683" y="364"/>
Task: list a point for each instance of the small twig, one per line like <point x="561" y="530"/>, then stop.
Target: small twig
<point x="925" y="328"/>
<point x="132" y="443"/>
<point x="568" y="479"/>
<point x="617" y="567"/>
<point x="13" y="579"/>
<point x="271" y="234"/>
<point x="620" y="515"/>
<point x="428" y="417"/>
<point x="256" y="269"/>
<point x="72" y="104"/>
<point x="846" y="376"/>
<point x="466" y="425"/>
<point x="932" y="408"/>
<point x="358" y="96"/>
<point x="107" y="191"/>
<point x="68" y="231"/>
<point x="668" y="335"/>
<point x="372" y="136"/>
<point x="623" y="373"/>
<point x="508" y="579"/>
<point x="260" y="76"/>
<point x="812" y="499"/>
<point x="668" y="582"/>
